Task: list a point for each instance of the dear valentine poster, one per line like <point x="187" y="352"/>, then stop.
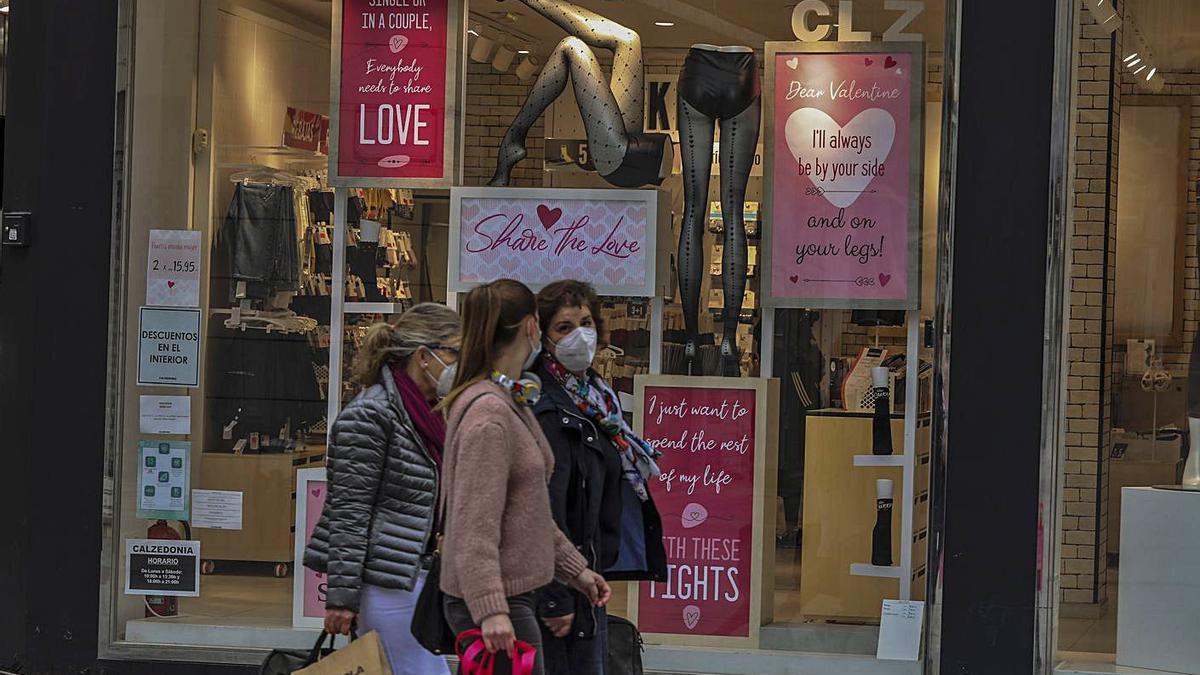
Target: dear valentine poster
<point x="845" y="178"/>
<point x="538" y="236"/>
<point x="706" y="497"/>
<point x="394" y="93"/>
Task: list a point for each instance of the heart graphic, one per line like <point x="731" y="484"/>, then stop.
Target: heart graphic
<point x="316" y="492"/>
<point x="693" y="514"/>
<point x="398" y="43"/>
<point x="792" y="62"/>
<point x="548" y="216"/>
<point x="795" y="278"/>
<point x="884" y="279"/>
<point x="869" y="61"/>
<point x="889" y="62"/>
<point x="170" y="284"/>
<point x="691" y="616"/>
<point x="877" y="123"/>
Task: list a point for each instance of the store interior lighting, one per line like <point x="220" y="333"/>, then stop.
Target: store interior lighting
<point x="1139" y="62"/>
<point x="1104" y="13"/>
<point x="503" y="59"/>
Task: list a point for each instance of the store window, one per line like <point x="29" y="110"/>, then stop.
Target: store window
<point x="1128" y="460"/>
<point x="251" y="275"/>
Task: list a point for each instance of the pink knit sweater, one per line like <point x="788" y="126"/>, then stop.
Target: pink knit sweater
<point x="500" y="538"/>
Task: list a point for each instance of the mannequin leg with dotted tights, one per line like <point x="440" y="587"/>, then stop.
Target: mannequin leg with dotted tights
<point x="739" y="139"/>
<point x="696" y="146"/>
<point x="611" y="110"/>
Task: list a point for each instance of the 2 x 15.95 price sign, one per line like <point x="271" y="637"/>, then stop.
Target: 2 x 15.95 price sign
<point x="173" y="269"/>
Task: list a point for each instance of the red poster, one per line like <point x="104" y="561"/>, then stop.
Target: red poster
<point x="706" y="497"/>
<point x="845" y="178"/>
<point x="306" y="130"/>
<point x="393" y="92"/>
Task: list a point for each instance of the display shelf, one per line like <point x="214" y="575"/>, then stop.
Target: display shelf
<point x="880" y="460"/>
<point x="865" y="570"/>
<point x="374" y="308"/>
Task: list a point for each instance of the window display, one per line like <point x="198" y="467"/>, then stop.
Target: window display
<point x="762" y="325"/>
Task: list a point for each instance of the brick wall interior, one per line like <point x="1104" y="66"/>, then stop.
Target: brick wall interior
<point x="493" y="100"/>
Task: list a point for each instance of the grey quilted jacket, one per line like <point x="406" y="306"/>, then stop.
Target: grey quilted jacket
<point x="383" y="489"/>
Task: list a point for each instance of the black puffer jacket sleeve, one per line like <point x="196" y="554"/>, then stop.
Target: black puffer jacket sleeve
<point x="355" y="466"/>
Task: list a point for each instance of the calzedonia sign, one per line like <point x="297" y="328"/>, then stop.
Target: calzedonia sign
<point x="396" y="90"/>
<point x="843" y="177"/>
<point x="608" y="238"/>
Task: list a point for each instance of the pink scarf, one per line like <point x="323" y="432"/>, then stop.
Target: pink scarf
<point x="429" y="424"/>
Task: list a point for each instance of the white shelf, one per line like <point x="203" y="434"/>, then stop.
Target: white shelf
<point x="880" y="460"/>
<point x="374" y="308"/>
<point x="865" y="570"/>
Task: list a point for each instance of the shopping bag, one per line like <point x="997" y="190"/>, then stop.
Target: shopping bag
<point x="364" y="656"/>
<point x="476" y="660"/>
<point x="288" y="661"/>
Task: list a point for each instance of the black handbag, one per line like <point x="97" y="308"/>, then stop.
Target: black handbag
<point x="624" y="647"/>
<point x="429" y="625"/>
<point x="288" y="661"/>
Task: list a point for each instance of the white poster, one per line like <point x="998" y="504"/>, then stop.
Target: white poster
<point x="900" y="630"/>
<point x="164" y="477"/>
<point x="164" y="415"/>
<point x="169" y="347"/>
<point x="173" y="269"/>
<point x="217" y="509"/>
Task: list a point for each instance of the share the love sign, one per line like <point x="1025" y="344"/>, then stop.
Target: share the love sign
<point x="607" y="238"/>
<point x="713" y="436"/>
<point x="396" y="76"/>
<point x="844" y="175"/>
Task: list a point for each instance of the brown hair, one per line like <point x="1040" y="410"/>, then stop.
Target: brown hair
<point x="425" y="325"/>
<point x="492" y="316"/>
<point x="569" y="293"/>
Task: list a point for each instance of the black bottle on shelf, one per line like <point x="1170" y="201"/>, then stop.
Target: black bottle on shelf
<point x="881" y="421"/>
<point x="881" y="536"/>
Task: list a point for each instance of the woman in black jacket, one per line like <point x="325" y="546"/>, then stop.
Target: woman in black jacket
<point x="599" y="491"/>
<point x="384" y="464"/>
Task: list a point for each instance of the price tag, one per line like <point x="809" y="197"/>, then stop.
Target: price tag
<point x="173" y="269"/>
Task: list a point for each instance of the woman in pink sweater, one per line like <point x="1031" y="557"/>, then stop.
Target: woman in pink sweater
<point x="501" y="544"/>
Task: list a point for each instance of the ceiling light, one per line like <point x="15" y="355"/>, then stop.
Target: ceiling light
<point x="1151" y="74"/>
<point x="472" y="31"/>
<point x="522" y="51"/>
<point x="1131" y="57"/>
<point x="664" y="24"/>
<point x="1134" y="62"/>
<point x="1140" y="69"/>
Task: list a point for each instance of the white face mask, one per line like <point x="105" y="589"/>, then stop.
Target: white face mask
<point x="577" y="349"/>
<point x="445" y="381"/>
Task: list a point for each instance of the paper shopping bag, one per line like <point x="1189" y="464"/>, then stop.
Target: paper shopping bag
<point x="364" y="656"/>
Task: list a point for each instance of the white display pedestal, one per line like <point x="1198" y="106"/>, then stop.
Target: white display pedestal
<point x="1158" y="606"/>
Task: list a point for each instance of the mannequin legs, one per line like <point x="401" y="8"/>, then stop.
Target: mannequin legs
<point x="739" y="138"/>
<point x="696" y="146"/>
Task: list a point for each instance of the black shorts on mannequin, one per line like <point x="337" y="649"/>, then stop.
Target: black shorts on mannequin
<point x="719" y="84"/>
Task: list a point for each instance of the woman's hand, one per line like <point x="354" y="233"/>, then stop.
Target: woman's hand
<point x="498" y="634"/>
<point x="559" y="625"/>
<point x="593" y="586"/>
<point x="339" y="621"/>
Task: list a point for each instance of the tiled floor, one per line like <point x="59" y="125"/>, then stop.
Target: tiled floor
<point x="1092" y="635"/>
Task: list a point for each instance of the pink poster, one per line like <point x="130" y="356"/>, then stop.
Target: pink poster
<point x="314" y="582"/>
<point x="605" y="237"/>
<point x="706" y="497"/>
<point x="393" y="92"/>
<point x="844" y="216"/>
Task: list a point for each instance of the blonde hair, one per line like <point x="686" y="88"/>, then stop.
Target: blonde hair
<point x="425" y="325"/>
<point x="492" y="316"/>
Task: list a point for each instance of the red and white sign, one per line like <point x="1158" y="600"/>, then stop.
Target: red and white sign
<point x="306" y="130"/>
<point x="712" y="469"/>
<point x="537" y="236"/>
<point x="844" y="175"/>
<point x="308" y="588"/>
<point x="395" y="97"/>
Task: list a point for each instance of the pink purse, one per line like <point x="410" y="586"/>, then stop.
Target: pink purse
<point x="476" y="660"/>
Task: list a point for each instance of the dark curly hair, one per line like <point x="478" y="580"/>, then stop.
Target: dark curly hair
<point x="570" y="293"/>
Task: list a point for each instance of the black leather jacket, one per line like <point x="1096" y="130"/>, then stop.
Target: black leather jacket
<point x="587" y="493"/>
<point x="383" y="491"/>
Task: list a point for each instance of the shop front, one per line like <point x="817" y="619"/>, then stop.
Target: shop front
<point x="764" y="195"/>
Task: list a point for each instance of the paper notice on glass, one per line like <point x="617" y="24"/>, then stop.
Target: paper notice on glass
<point x="164" y="477"/>
<point x="217" y="509"/>
<point x="900" y="630"/>
<point x="165" y="414"/>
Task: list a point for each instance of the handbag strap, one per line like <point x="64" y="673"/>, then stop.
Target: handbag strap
<point x="315" y="654"/>
<point x="476" y="660"/>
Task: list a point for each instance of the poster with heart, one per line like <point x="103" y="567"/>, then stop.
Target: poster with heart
<point x="844" y="175"/>
<point x="308" y="587"/>
<point x="173" y="269"/>
<point x="712" y="433"/>
<point x="540" y="235"/>
<point x="397" y="68"/>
